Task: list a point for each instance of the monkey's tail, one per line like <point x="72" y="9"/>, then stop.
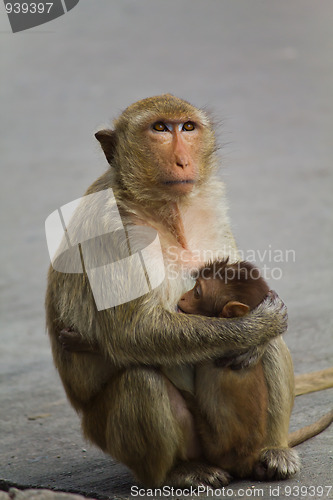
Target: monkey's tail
<point x="314" y="381"/>
<point x="297" y="437"/>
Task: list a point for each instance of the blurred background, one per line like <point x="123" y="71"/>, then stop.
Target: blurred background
<point x="264" y="70"/>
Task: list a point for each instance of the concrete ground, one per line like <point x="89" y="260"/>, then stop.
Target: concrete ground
<point x="265" y="70"/>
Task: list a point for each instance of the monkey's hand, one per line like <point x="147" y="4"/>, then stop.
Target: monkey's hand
<point x="237" y="360"/>
<point x="270" y="314"/>
<point x="72" y="341"/>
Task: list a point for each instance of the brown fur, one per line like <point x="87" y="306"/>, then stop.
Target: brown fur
<point x="123" y="396"/>
<point x="231" y="405"/>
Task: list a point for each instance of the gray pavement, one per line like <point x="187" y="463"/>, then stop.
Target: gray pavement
<point x="265" y="70"/>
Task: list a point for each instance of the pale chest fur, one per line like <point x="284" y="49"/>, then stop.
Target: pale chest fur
<point x="206" y="238"/>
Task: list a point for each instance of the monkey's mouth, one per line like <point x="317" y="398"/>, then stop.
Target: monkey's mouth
<point x="186" y="181"/>
<point x="179" y="310"/>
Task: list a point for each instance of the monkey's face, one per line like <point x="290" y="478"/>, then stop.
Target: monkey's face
<point x="175" y="151"/>
<point x="211" y="297"/>
<point x="164" y="148"/>
<point x="205" y="298"/>
<point x="170" y="158"/>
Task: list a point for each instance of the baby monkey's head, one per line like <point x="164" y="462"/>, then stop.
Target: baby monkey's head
<point x="225" y="290"/>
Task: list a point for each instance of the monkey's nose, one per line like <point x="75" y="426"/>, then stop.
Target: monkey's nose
<point x="182" y="162"/>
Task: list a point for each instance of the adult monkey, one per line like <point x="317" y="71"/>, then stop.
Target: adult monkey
<point x="162" y="154"/>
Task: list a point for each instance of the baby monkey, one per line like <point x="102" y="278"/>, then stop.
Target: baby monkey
<point x="231" y="404"/>
<point x="225" y="290"/>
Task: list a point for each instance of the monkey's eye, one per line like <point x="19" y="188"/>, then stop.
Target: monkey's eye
<point x="188" y="126"/>
<point x="160" y="127"/>
<point x="197" y="291"/>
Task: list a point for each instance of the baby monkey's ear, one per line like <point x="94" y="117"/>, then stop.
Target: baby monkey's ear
<point x="234" y="309"/>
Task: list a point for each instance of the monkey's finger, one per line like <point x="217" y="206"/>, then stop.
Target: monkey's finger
<point x="239" y="361"/>
<point x="272" y="294"/>
<point x="67" y="346"/>
<point x="277" y="309"/>
<point x="247" y="359"/>
<point x="228" y="360"/>
<point x="68" y="331"/>
<point x="224" y="362"/>
<point x="273" y="297"/>
<point x="69" y="336"/>
<point x="69" y="339"/>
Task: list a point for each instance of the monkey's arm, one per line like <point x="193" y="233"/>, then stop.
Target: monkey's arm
<point x="72" y="341"/>
<point x="153" y="335"/>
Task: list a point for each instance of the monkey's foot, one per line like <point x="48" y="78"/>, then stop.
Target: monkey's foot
<point x="195" y="474"/>
<point x="277" y="463"/>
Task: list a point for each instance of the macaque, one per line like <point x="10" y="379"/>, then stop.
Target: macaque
<point x="163" y="174"/>
<point x="231" y="405"/>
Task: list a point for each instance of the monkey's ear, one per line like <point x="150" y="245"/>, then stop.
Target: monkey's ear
<point x="234" y="309"/>
<point x="108" y="140"/>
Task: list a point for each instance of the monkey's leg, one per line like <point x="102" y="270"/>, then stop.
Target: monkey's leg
<point x="277" y="460"/>
<point x="231" y="415"/>
<point x="141" y="419"/>
<point x="193" y="471"/>
<point x="138" y="420"/>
